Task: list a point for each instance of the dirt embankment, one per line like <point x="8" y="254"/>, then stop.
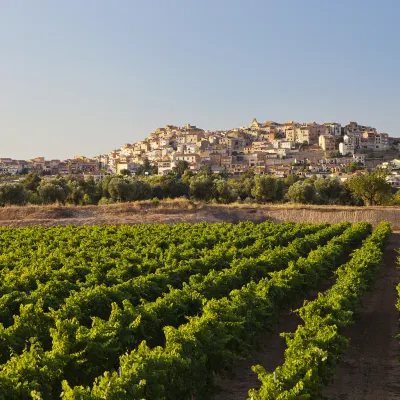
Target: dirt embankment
<point x="184" y="211"/>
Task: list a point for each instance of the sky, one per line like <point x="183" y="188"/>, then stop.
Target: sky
<point x="83" y="77"/>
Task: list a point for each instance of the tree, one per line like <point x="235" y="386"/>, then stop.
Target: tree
<point x="125" y="172"/>
<point x="188" y="174"/>
<point x="76" y="194"/>
<point x="372" y="187"/>
<point x="168" y="186"/>
<point x="103" y="187"/>
<point x="330" y="191"/>
<point x="290" y="179"/>
<point x="138" y="190"/>
<point x="52" y="191"/>
<point x="301" y="192"/>
<point x="396" y="198"/>
<point x="265" y="188"/>
<point x="242" y="185"/>
<point x="180" y="168"/>
<point x="31" y="182"/>
<point x="92" y="191"/>
<point x="353" y="167"/>
<point x="201" y="187"/>
<point x="223" y="192"/>
<point x="119" y="189"/>
<point x="146" y="167"/>
<point x="281" y="189"/>
<point x="13" y="193"/>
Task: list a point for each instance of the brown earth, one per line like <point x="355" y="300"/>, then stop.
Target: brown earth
<point x="235" y="385"/>
<point x="370" y="370"/>
<point x="174" y="211"/>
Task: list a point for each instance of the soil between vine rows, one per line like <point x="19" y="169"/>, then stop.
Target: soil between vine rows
<point x="370" y="370"/>
<point x="270" y="353"/>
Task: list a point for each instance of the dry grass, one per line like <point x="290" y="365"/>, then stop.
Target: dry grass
<point x="183" y="210"/>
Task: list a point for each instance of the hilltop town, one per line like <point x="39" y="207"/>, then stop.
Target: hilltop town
<point x="264" y="148"/>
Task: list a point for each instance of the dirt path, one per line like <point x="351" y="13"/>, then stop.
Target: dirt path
<point x="235" y="386"/>
<point x="270" y="353"/>
<point x="370" y="370"/>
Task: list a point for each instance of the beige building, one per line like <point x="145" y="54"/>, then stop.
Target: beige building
<point x="308" y="133"/>
<point x="233" y="144"/>
<point x="164" y="167"/>
<point x="334" y="128"/>
<point x="190" y="158"/>
<point x="354" y="129"/>
<point x="374" y="141"/>
<point x="327" y="142"/>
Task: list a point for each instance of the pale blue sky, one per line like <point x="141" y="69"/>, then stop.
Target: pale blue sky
<point x="86" y="76"/>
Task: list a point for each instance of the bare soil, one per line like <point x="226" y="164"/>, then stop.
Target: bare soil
<point x="235" y="384"/>
<point x="370" y="370"/>
<point x="174" y="211"/>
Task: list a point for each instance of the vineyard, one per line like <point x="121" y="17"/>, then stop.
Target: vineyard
<point x="158" y="311"/>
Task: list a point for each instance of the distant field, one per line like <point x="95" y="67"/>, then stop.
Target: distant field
<point x="158" y="311"/>
<point x="175" y="211"/>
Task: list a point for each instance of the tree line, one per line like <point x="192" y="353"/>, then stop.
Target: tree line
<point x="361" y="189"/>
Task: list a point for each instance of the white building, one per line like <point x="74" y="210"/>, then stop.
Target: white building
<point x="334" y="128"/>
<point x="346" y="147"/>
<point x="360" y="158"/>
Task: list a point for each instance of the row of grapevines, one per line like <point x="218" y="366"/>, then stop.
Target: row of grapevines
<point x="127" y="326"/>
<point x="86" y="303"/>
<point x="51" y="275"/>
<point x="150" y="287"/>
<point x="398" y="292"/>
<point x="184" y="367"/>
<point x="315" y="348"/>
<point x="144" y="247"/>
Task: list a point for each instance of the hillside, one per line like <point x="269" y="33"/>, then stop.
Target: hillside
<point x="175" y="211"/>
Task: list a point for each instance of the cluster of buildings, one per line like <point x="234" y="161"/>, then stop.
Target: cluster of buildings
<point x="78" y="165"/>
<point x="393" y="169"/>
<point x="265" y="148"/>
<point x="358" y="137"/>
<point x="259" y="146"/>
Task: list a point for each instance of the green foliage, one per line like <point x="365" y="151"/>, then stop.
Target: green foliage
<point x="314" y="349"/>
<point x="183" y="368"/>
<point x="79" y="301"/>
<point x="125" y="172"/>
<point x="265" y="188"/>
<point x="353" y="167"/>
<point x="204" y="186"/>
<point x="31" y="181"/>
<point x="223" y="193"/>
<point x="372" y="187"/>
<point x="168" y="187"/>
<point x="301" y="192"/>
<point x="180" y="168"/>
<point x="53" y="191"/>
<point x="331" y="191"/>
<point x="13" y="193"/>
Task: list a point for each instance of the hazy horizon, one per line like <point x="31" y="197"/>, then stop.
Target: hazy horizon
<point x="83" y="78"/>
